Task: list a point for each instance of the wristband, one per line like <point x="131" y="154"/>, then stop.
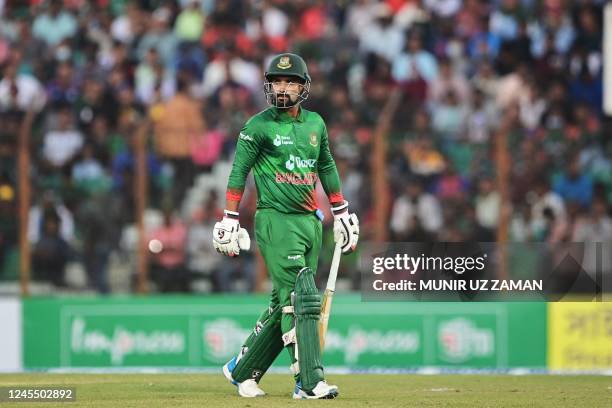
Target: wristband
<point x="231" y="214"/>
<point x="341" y="208"/>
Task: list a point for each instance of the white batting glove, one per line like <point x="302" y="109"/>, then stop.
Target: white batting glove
<point x="346" y="228"/>
<point x="228" y="237"/>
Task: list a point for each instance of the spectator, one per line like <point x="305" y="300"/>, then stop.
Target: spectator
<point x="19" y="91"/>
<point x="543" y="197"/>
<point x="167" y="245"/>
<point x="443" y="8"/>
<point x="506" y="20"/>
<point x="416" y="215"/>
<point x="231" y="67"/>
<point x="574" y="185"/>
<point x="63" y="88"/>
<point x="480" y="120"/>
<point x="512" y="86"/>
<point x="411" y="14"/>
<point x="51" y="253"/>
<point x="64" y="142"/>
<point x="449" y="117"/>
<point x="451" y="185"/>
<point x="556" y="26"/>
<point x="88" y="173"/>
<point x="415" y="62"/>
<point x="486" y="81"/>
<point x="160" y="38"/>
<point x="532" y="106"/>
<point x="100" y="218"/>
<point x="123" y="169"/>
<point x="128" y="25"/>
<point x="360" y="14"/>
<point x="487" y="206"/>
<point x="596" y="226"/>
<point x="189" y="24"/>
<point x="274" y="21"/>
<point x="50" y="206"/>
<point x="425" y="159"/>
<point x="380" y="37"/>
<point x="176" y="128"/>
<point x="54" y="25"/>
<point x="449" y="81"/>
<point x="521" y="225"/>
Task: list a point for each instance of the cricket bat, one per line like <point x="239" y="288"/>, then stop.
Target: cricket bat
<point x="328" y="295"/>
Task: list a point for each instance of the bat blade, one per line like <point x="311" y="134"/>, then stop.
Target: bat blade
<point x="324" y="319"/>
<point x="328" y="295"/>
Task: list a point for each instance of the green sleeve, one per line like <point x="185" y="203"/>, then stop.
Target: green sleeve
<point x="247" y="150"/>
<point x="328" y="173"/>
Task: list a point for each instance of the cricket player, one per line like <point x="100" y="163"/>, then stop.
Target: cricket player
<point x="288" y="149"/>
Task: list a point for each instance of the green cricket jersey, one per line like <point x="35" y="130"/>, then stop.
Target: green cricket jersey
<point x="288" y="155"/>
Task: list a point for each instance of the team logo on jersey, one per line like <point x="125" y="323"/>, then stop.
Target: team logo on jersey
<point x="295" y="161"/>
<point x="282" y="140"/>
<point x="284" y="63"/>
<point x="313" y="139"/>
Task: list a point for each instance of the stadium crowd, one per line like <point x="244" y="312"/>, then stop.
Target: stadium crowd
<point x="92" y="71"/>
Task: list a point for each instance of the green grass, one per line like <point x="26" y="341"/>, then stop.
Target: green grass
<point x="208" y="390"/>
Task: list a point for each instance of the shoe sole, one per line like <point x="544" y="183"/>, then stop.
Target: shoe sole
<point x="250" y="396"/>
<point x="331" y="395"/>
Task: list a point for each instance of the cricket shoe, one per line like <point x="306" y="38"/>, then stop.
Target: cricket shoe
<point x="248" y="388"/>
<point x="321" y="391"/>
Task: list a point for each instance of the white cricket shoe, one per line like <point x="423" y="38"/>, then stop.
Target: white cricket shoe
<point x="321" y="391"/>
<point x="248" y="388"/>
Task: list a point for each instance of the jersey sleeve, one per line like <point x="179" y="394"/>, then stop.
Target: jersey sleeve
<point x="247" y="149"/>
<point x="328" y="173"/>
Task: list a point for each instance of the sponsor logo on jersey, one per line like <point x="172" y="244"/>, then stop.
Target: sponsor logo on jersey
<point x="246" y="137"/>
<point x="282" y="140"/>
<point x="295" y="161"/>
<point x="294" y="257"/>
<point x="308" y="179"/>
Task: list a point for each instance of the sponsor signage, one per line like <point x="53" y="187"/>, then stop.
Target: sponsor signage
<point x="206" y="332"/>
<point x="580" y="336"/>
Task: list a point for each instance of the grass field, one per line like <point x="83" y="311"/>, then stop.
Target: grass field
<point x="208" y="390"/>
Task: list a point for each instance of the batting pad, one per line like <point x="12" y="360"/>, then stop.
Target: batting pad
<point x="307" y="308"/>
<point x="262" y="347"/>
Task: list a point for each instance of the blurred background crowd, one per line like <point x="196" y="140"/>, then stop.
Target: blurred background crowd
<point x="93" y="71"/>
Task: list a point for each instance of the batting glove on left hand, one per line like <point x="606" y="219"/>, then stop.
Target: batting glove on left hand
<point x="228" y="237"/>
<point x="346" y="228"/>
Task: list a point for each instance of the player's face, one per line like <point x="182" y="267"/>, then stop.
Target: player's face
<point x="286" y="89"/>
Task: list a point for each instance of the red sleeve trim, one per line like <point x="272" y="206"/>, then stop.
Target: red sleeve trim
<point x="336" y="198"/>
<point x="233" y="195"/>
